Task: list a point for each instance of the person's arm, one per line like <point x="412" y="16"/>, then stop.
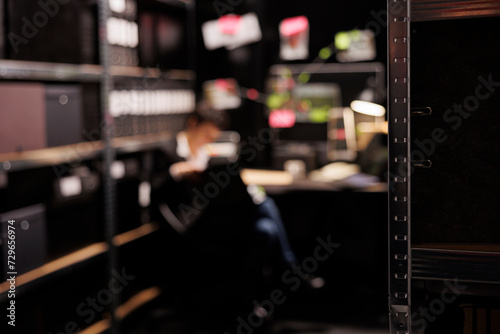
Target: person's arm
<point x="169" y="168"/>
<point x="163" y="159"/>
<point x="183" y="170"/>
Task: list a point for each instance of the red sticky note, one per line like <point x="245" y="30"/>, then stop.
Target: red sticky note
<point x="341" y="134"/>
<point x="282" y="118"/>
<point x="229" y="24"/>
<point x="293" y="25"/>
<point x="223" y="85"/>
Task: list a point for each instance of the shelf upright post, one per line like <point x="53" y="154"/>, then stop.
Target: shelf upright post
<point x="108" y="155"/>
<point x="192" y="38"/>
<point x="398" y="32"/>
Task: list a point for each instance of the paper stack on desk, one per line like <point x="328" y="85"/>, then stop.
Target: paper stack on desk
<point x="343" y="173"/>
<point x="334" y="171"/>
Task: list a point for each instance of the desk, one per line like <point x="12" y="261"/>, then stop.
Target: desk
<point x="356" y="218"/>
<point x="279" y="182"/>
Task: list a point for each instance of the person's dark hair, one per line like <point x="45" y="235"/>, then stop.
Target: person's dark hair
<point x="205" y="113"/>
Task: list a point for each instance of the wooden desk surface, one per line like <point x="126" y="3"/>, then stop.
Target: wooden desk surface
<point x="495" y="248"/>
<point x="275" y="181"/>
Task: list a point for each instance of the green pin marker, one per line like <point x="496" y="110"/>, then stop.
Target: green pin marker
<point x="304" y="78"/>
<point x="325" y="53"/>
<point x="342" y="41"/>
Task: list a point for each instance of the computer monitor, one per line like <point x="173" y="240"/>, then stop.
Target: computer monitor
<point x="301" y="98"/>
<point x="352" y="77"/>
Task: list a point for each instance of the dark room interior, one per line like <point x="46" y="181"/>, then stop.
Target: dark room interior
<point x="249" y="166"/>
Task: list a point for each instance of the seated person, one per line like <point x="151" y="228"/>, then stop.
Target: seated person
<point x="233" y="214"/>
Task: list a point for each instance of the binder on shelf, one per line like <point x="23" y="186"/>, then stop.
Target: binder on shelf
<point x="123" y="35"/>
<point x="138" y="112"/>
<point x="162" y="41"/>
<point x="92" y="126"/>
<point x="170" y="42"/>
<point x="126" y="9"/>
<point x="123" y="32"/>
<point x="147" y="55"/>
<point x="52" y="31"/>
<point x="2" y="30"/>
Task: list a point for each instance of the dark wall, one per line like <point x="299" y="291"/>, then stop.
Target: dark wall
<point x="250" y="64"/>
<point x="455" y="201"/>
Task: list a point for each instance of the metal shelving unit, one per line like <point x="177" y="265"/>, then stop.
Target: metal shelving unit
<point x="399" y="164"/>
<point x="42" y="71"/>
<point x="12" y="162"/>
<point x="106" y="150"/>
<point x="109" y="156"/>
<point x="38" y="276"/>
<point x="406" y="262"/>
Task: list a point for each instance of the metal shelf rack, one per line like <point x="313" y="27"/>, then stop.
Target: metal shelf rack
<point x="43" y="71"/>
<point x="403" y="262"/>
<point x="104" y="76"/>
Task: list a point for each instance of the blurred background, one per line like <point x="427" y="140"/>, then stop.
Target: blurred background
<point x="89" y="89"/>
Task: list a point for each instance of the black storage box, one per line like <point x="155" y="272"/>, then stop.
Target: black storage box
<point x="64" y="114"/>
<point x="22" y="118"/>
<point x="60" y="31"/>
<point x="75" y="214"/>
<point x="162" y="40"/>
<point x="30" y="239"/>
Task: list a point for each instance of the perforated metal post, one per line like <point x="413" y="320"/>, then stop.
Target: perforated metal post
<point x="108" y="155"/>
<point x="399" y="166"/>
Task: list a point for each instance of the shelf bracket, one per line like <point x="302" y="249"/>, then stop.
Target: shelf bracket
<point x="398" y="29"/>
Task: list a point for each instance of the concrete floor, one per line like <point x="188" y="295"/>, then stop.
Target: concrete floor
<point x="294" y="318"/>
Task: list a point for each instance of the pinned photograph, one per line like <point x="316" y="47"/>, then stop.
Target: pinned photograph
<point x="294" y="38"/>
<point x="231" y="31"/>
<point x="355" y="45"/>
<point x="222" y="93"/>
